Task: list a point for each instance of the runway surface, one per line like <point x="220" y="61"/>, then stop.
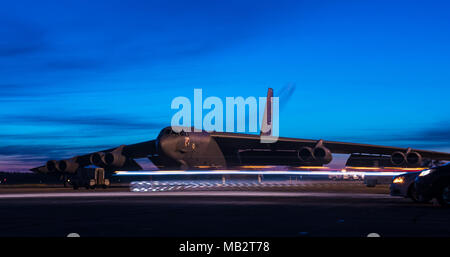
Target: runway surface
<point x="350" y="210"/>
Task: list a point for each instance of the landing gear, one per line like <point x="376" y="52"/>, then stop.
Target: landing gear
<point x="66" y="180"/>
<point x="90" y="178"/>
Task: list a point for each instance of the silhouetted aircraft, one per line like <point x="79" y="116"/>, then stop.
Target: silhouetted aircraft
<point x="221" y="150"/>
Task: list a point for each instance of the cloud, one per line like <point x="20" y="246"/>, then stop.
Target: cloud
<point x="18" y="162"/>
<point x="127" y="35"/>
<point x="71" y="135"/>
<point x="75" y="64"/>
<point x="20" y="38"/>
<point x="17" y="49"/>
<point x="17" y="90"/>
<point x="99" y="121"/>
<point x="435" y="136"/>
<point x="46" y="151"/>
<point x="440" y="132"/>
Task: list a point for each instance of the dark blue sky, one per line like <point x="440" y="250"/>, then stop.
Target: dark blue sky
<point x="78" y="76"/>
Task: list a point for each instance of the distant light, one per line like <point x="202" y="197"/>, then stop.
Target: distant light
<point x="405" y="169"/>
<point x="364" y="168"/>
<point x="257" y="167"/>
<point x="312" y="167"/>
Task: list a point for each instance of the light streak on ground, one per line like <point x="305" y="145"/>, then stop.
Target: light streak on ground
<point x="262" y="172"/>
<point x="197" y="193"/>
<point x="240" y="185"/>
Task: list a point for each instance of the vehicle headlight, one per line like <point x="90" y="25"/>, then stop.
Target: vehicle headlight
<point x="425" y="172"/>
<point x="399" y="180"/>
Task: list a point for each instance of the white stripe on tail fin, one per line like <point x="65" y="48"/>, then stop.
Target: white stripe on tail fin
<point x="266" y="125"/>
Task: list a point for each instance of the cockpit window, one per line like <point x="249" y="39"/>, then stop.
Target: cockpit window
<point x="170" y="131"/>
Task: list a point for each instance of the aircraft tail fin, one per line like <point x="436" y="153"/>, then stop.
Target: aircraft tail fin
<point x="266" y="126"/>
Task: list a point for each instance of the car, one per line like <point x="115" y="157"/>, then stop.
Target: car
<point x="403" y="185"/>
<point x="434" y="183"/>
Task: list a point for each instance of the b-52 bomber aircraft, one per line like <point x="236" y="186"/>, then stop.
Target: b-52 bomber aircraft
<point x="181" y="150"/>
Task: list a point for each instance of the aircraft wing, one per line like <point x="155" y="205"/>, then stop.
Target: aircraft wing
<point x="248" y="141"/>
<point x="130" y="152"/>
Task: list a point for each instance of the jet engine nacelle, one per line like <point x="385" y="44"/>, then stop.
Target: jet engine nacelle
<point x="322" y="155"/>
<point x="51" y="166"/>
<point x="410" y="158"/>
<point x="398" y="158"/>
<point x="414" y="158"/>
<point x="115" y="159"/>
<point x="305" y="154"/>
<point x="97" y="159"/>
<point x="68" y="166"/>
<point x="318" y="154"/>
